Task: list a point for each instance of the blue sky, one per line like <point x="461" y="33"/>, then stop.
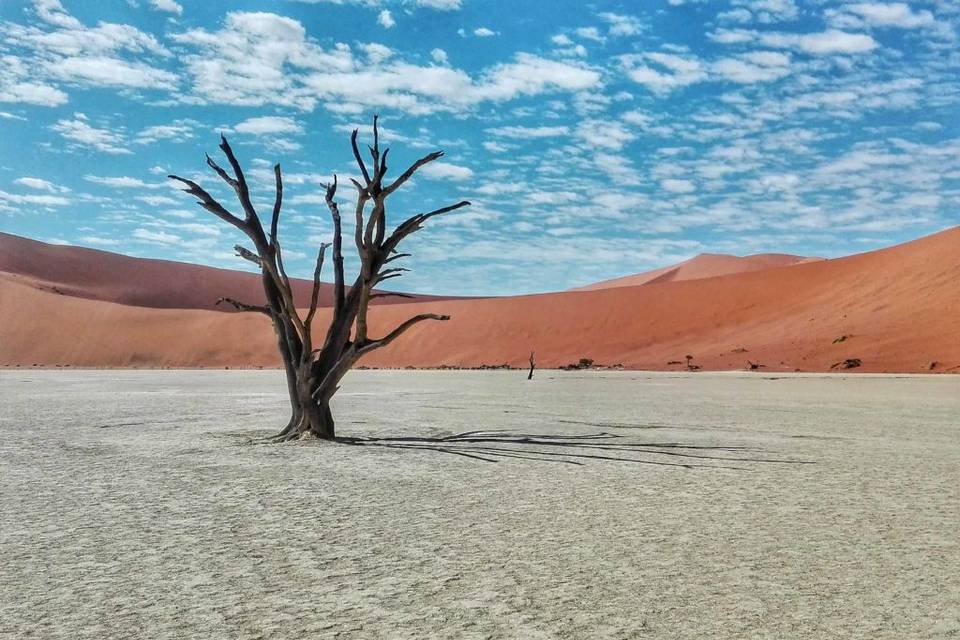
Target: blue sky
<point x="594" y="139"/>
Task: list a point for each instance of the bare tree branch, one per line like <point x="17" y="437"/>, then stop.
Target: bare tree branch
<point x="356" y="155"/>
<point x="246" y="254"/>
<point x="383" y="164"/>
<point x="379" y="164"/>
<point x="399" y="331"/>
<point x="396" y="256"/>
<point x="413" y="223"/>
<point x="375" y="149"/>
<point x="377" y="215"/>
<point x="209" y="203"/>
<point x="358" y="221"/>
<point x="436" y="212"/>
<point x="240" y="184"/>
<point x="338" y="284"/>
<point x="397" y="294"/>
<point x="286" y="295"/>
<point x="220" y="172"/>
<point x="243" y="306"/>
<point x="315" y="296"/>
<point x="281" y="270"/>
<point x="427" y="159"/>
<point x="277" y="202"/>
<point x="397" y="270"/>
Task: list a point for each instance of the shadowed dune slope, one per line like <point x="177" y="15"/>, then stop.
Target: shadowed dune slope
<point x="897" y="307"/>
<point x="143" y="282"/>
<point x="705" y="265"/>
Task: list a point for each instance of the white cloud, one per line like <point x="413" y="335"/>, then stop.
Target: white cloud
<point x="821" y="43"/>
<point x="483" y="32"/>
<point x="735" y="15"/>
<point x="52" y="12"/>
<point x="677" y="186"/>
<point x="107" y="71"/>
<point x="376" y="52"/>
<point x="121" y="182"/>
<point x="167" y="5"/>
<point x="673" y="71"/>
<point x="531" y="75"/>
<point x="732" y="36"/>
<point x="514" y="131"/>
<point x="610" y="135"/>
<point x="78" y="131"/>
<point x="621" y="25"/>
<point x="447" y="171"/>
<point x="590" y="33"/>
<point x="439" y="5"/>
<point x="40" y="184"/>
<point x="98" y="241"/>
<point x="262" y="58"/>
<point x="920" y="201"/>
<point x="439" y="56"/>
<point x="159" y="237"/>
<point x="495" y="147"/>
<point x="637" y="118"/>
<point x="831" y="41"/>
<point x="268" y="125"/>
<point x="551" y="197"/>
<point x="890" y="14"/>
<point x="157" y="201"/>
<point x="385" y="19"/>
<point x="766" y="11"/>
<point x="41" y="200"/>
<point x="176" y="131"/>
<point x="757" y="66"/>
<point x="32" y="93"/>
<point x="63" y="49"/>
<point x="179" y="213"/>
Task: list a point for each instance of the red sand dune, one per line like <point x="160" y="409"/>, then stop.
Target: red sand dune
<point x="143" y="282"/>
<point x="898" y="308"/>
<point x="705" y="265"/>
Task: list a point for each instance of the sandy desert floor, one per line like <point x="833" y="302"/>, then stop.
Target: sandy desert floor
<point x="714" y="506"/>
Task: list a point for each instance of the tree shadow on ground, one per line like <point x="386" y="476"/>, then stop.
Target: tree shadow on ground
<point x="575" y="449"/>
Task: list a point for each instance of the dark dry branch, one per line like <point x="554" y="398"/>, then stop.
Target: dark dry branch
<point x="243" y="306"/>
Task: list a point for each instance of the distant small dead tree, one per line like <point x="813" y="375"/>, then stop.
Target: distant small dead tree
<point x="533" y="365"/>
<point x="314" y="368"/>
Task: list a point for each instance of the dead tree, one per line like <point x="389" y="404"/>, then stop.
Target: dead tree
<point x="315" y="367"/>
<point x="532" y="365"/>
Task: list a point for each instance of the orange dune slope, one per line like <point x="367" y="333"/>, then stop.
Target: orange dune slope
<point x="895" y="309"/>
<point x="101" y="275"/>
<point x="705" y="265"/>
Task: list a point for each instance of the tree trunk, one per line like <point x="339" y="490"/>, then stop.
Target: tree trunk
<point x="309" y="418"/>
<point x="325" y="429"/>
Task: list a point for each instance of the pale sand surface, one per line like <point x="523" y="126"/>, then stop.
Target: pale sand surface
<point x="132" y="508"/>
